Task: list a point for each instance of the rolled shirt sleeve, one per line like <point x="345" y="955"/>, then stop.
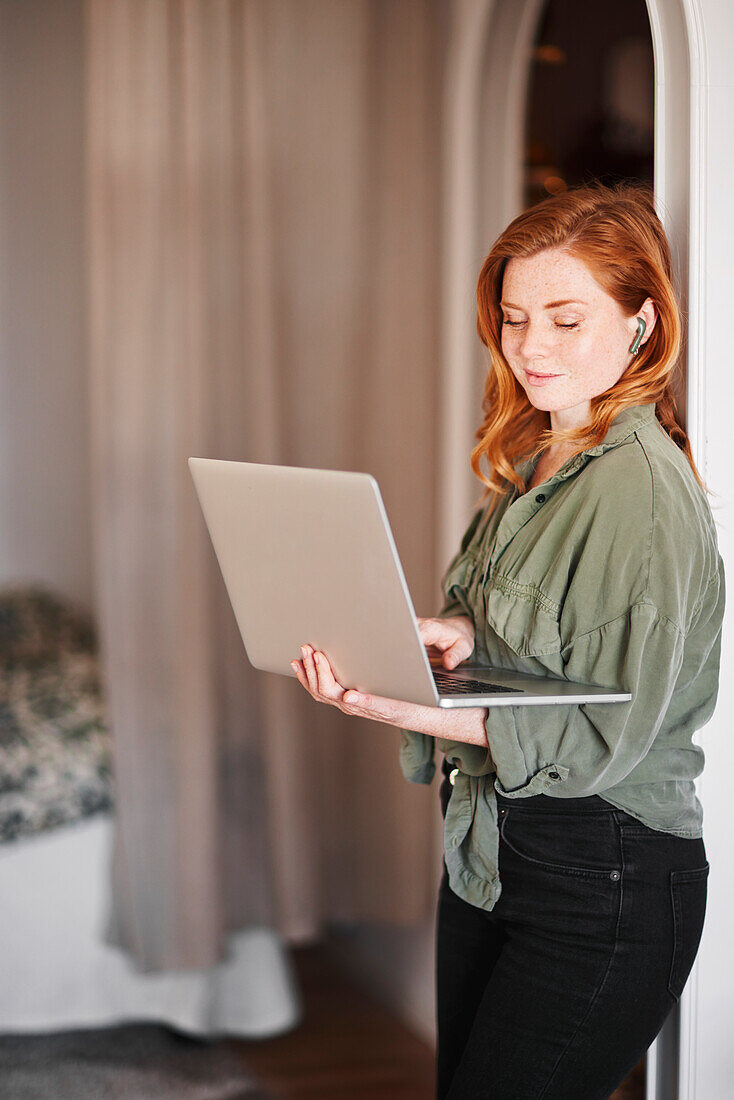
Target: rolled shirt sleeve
<point x="587" y="748"/>
<point x="576" y="750"/>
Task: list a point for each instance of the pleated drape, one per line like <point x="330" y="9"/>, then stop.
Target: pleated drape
<point x="263" y="196"/>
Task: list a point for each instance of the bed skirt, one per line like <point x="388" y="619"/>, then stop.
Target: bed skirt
<point x="58" y="973"/>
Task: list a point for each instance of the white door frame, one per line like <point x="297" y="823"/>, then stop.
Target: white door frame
<point x="486" y="89"/>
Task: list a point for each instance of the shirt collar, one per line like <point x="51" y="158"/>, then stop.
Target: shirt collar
<point x="624" y="424"/>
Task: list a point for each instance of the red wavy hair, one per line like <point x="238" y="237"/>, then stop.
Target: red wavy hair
<point x="616" y="232"/>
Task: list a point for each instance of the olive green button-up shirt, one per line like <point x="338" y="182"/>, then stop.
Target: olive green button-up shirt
<point x="608" y="573"/>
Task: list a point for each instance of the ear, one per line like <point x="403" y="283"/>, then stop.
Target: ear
<point x="649" y="314"/>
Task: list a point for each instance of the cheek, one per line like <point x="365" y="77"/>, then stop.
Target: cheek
<point x="591" y="353"/>
<point x="582" y="349"/>
<point x="510" y="345"/>
<point x="593" y="363"/>
<point x="605" y="358"/>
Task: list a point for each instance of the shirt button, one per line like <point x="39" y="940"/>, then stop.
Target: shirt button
<point x="540" y="498"/>
<point x="452" y="776"/>
<point x="454" y="841"/>
<point x="553" y="775"/>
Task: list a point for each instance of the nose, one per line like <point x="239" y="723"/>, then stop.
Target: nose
<point x="534" y="343"/>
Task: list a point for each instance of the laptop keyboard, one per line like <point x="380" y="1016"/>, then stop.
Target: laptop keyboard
<point x="447" y="685"/>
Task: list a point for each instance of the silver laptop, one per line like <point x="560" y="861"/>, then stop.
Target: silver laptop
<point x="308" y="556"/>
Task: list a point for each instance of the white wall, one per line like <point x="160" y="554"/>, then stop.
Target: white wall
<point x="711" y="1072"/>
<point x="44" y="467"/>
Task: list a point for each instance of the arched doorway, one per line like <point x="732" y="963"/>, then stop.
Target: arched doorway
<point x="484" y="183"/>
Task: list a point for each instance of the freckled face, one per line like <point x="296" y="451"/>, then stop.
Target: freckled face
<point x="582" y="345"/>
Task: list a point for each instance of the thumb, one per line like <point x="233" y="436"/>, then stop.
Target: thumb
<point x="456" y="653"/>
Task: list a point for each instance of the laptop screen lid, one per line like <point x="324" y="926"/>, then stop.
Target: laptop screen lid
<point x="304" y="558"/>
<point x="308" y="555"/>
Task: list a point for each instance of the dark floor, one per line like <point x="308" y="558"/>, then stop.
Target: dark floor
<point x="348" y="1046"/>
<point x="140" y="1060"/>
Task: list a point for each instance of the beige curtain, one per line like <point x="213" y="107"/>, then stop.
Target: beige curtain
<point x="263" y="187"/>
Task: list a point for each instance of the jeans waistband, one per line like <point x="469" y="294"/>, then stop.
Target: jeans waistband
<point x="591" y="804"/>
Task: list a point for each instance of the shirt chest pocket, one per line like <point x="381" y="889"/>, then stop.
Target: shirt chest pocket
<point x="519" y="616"/>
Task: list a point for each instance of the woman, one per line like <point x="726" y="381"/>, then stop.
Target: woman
<point x="574" y="888"/>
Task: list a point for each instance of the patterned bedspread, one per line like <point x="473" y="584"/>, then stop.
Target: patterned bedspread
<point x="55" y="750"/>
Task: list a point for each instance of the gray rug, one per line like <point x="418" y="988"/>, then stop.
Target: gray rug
<point x="131" y="1062"/>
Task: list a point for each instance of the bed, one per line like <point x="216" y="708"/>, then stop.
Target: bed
<point x="56" y="830"/>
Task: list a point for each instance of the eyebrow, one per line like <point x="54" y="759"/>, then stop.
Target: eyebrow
<point x="552" y="305"/>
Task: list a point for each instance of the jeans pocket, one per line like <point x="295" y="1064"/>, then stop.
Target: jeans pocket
<point x="585" y="845"/>
<point x="688" y="900"/>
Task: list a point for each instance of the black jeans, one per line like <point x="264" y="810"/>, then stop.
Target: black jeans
<point x="558" y="991"/>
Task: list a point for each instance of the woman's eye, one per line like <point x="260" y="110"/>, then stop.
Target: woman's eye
<point x="514" y="324"/>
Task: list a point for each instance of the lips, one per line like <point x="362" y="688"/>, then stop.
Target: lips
<point x="534" y="376"/>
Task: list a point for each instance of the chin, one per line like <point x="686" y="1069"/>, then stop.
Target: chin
<point x="544" y="401"/>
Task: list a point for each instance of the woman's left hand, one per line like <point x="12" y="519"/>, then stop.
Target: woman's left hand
<point x="455" y="724"/>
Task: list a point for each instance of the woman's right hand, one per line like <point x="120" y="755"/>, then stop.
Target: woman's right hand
<point x="452" y="636"/>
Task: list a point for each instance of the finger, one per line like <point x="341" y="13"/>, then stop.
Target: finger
<point x="456" y="653"/>
<point x="328" y="685"/>
<point x="429" y="631"/>
<point x="357" y="699"/>
<point x="436" y="635"/>
<point x="372" y="706"/>
<point x="298" y="669"/>
<point x="310" y="670"/>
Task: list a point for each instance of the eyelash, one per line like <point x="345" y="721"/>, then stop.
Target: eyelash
<point x="516" y="324"/>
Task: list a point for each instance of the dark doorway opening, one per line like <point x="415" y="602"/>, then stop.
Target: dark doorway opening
<point x="590" y="97"/>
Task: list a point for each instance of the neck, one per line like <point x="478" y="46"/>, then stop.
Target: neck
<point x="578" y="416"/>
